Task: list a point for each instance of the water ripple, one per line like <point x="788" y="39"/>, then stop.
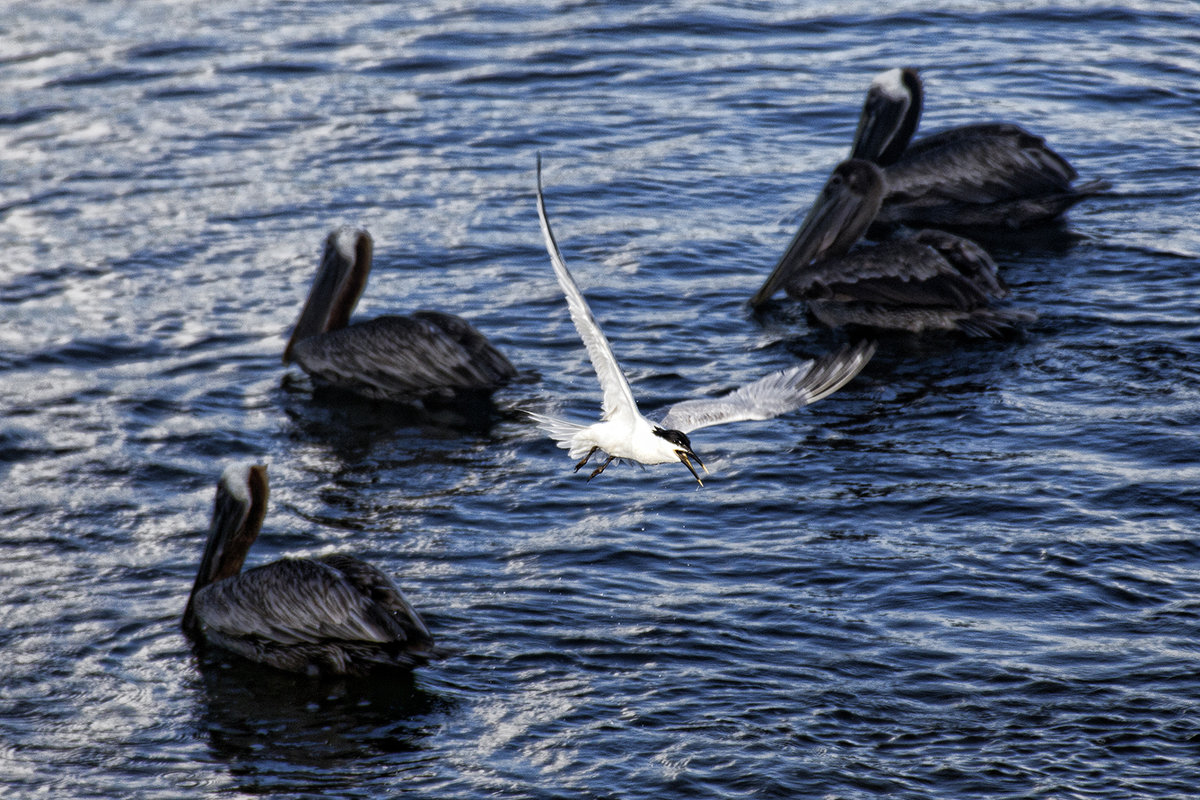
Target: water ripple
<point x="970" y="573"/>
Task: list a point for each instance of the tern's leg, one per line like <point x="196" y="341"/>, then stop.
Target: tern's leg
<point x="600" y="468"/>
<point x="584" y="460"/>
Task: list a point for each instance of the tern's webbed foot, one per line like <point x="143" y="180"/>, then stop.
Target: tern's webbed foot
<point x="584" y="460"/>
<point x="600" y="468"/>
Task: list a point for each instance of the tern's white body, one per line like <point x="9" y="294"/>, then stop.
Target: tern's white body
<point x="623" y="433"/>
<point x="621" y="437"/>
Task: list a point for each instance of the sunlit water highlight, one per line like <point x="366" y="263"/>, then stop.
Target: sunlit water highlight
<point x="974" y="572"/>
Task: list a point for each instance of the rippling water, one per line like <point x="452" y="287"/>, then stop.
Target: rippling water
<point x="974" y="572"/>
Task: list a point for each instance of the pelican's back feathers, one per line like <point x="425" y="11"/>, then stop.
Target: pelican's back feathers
<point x="405" y="357"/>
<point x="335" y="614"/>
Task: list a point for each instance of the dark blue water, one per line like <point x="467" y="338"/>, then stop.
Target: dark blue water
<point x="974" y="572"/>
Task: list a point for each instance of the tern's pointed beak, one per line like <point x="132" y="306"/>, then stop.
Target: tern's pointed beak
<point x="685" y="456"/>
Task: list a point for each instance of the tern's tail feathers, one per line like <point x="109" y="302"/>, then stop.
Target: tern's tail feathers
<point x="560" y="430"/>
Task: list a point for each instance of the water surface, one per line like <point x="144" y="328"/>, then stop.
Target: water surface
<point x="974" y="572"/>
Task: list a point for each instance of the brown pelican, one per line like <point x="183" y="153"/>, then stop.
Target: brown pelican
<point x="333" y="615"/>
<point x="982" y="175"/>
<point x="929" y="281"/>
<point x="427" y="356"/>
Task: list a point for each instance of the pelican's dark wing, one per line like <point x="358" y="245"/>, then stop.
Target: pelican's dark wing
<point x="984" y="163"/>
<point x="372" y="583"/>
<point x="903" y="272"/>
<point x="931" y="281"/>
<point x="987" y="174"/>
<point x="773" y="395"/>
<point x="967" y="258"/>
<point x="400" y="357"/>
<point x="305" y="602"/>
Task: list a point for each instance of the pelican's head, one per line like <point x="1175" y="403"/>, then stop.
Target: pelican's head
<point x="238" y="511"/>
<point x="839" y="217"/>
<point x="683" y="450"/>
<point x="335" y="290"/>
<point x="890" y="116"/>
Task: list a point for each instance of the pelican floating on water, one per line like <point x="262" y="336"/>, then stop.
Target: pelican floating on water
<point x="623" y="433"/>
<point x="333" y="615"/>
<point x="981" y="175"/>
<point x="930" y="281"/>
<point x="427" y="356"/>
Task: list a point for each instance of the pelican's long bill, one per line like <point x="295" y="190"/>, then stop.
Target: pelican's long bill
<point x="340" y="281"/>
<point x="843" y="211"/>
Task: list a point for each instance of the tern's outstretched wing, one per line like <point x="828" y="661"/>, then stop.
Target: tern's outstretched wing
<point x="775" y="394"/>
<point x="618" y="397"/>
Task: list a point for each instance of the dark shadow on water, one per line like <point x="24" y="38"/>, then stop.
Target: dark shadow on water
<point x="386" y="442"/>
<point x="333" y="415"/>
<point x="279" y="730"/>
<point x="1054" y="238"/>
<point x="934" y="353"/>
